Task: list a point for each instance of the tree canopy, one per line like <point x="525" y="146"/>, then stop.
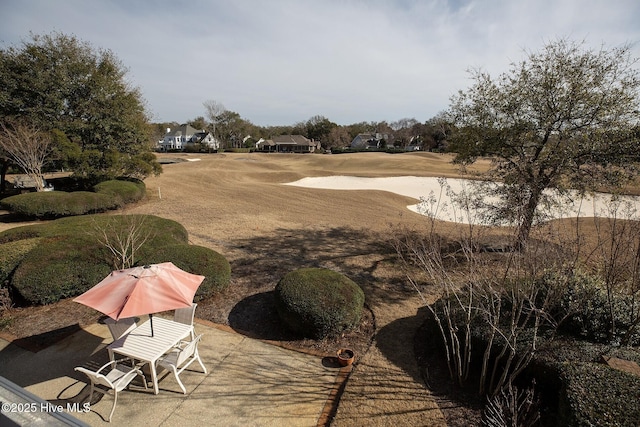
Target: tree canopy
<point x="564" y="118"/>
<point x="59" y="83"/>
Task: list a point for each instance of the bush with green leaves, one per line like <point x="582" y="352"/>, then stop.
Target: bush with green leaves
<point x="197" y="260"/>
<point x="598" y="395"/>
<point x="107" y="195"/>
<point x="122" y="191"/>
<point x="318" y="302"/>
<point x="12" y="253"/>
<point x="55" y="204"/>
<point x="586" y="310"/>
<point x="578" y="389"/>
<point x="68" y="258"/>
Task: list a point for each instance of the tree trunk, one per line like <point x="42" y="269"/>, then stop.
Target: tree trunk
<point x="528" y="215"/>
<point x="4" y="168"/>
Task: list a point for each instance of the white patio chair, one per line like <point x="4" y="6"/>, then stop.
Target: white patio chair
<point x="117" y="379"/>
<point x="178" y="359"/>
<point x="120" y="327"/>
<point x="186" y="316"/>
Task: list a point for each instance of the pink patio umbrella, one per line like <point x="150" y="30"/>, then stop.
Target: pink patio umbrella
<point x="142" y="290"/>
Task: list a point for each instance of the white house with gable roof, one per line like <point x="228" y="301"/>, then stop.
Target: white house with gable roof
<point x="179" y="138"/>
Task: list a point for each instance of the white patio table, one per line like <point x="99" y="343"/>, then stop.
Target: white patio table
<point x="140" y="345"/>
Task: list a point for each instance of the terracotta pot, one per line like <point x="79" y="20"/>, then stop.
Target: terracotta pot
<point x="345" y="356"/>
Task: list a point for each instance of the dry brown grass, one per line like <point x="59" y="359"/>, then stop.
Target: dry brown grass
<point x="236" y="204"/>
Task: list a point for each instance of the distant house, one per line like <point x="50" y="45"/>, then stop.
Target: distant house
<point x="206" y="139"/>
<point x="288" y="144"/>
<point x="415" y="144"/>
<point x="365" y="141"/>
<point x="179" y="138"/>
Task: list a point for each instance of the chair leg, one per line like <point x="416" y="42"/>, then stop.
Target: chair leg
<point x="144" y="381"/>
<point x="115" y="400"/>
<point x="204" y="369"/>
<point x="91" y="394"/>
<point x="175" y="373"/>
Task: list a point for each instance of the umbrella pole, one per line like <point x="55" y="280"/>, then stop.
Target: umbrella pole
<point x="151" y="321"/>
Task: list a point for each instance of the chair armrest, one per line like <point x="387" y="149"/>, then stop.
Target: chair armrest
<point x="113" y="364"/>
<point x="180" y="345"/>
<point x="128" y="372"/>
<point x="106" y="365"/>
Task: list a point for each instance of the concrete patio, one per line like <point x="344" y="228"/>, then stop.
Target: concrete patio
<point x="249" y="382"/>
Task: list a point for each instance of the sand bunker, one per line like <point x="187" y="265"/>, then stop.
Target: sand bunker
<point x="436" y="195"/>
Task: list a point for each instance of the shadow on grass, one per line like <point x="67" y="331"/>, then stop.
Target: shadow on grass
<point x="461" y="405"/>
<point x="256" y="316"/>
<point x="414" y="345"/>
<point x="366" y="257"/>
<point x="395" y="341"/>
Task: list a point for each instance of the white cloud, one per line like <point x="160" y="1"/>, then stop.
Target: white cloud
<point x="280" y="62"/>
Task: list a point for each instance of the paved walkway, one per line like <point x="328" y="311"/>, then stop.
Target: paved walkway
<point x="250" y="382"/>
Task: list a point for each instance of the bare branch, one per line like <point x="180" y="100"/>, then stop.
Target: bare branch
<point x="28" y="147"/>
<point x="123" y="236"/>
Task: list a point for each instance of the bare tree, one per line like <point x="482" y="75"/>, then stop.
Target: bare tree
<point x="123" y="235"/>
<point x="502" y="300"/>
<point x="512" y="407"/>
<point x="28" y="147"/>
<point x="215" y="111"/>
<point x="616" y="258"/>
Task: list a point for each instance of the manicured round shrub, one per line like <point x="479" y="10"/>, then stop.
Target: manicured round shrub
<point x="318" y="302"/>
<point x="12" y="253"/>
<point x="68" y="258"/>
<point x="122" y="192"/>
<point x="58" y="268"/>
<point x="197" y="260"/>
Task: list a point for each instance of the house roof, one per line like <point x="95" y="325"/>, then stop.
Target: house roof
<point x="365" y="136"/>
<point x="291" y="140"/>
<point x="184" y="130"/>
<point x="200" y="136"/>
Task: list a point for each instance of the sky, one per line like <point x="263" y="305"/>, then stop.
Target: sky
<point x="281" y="62"/>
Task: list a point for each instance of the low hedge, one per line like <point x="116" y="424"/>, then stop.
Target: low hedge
<point x="12" y="253"/>
<point x="122" y="191"/>
<point x="58" y="268"/>
<point x="197" y="260"/>
<point x="55" y="204"/>
<point x="318" y="302"/>
<point x="577" y="388"/>
<point x="107" y="195"/>
<point x="595" y="394"/>
<point x="68" y="259"/>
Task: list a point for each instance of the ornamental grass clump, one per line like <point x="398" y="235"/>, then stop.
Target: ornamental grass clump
<point x="318" y="302"/>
